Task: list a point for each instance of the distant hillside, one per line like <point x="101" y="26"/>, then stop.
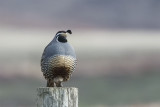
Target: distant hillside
<point x="81" y="14"/>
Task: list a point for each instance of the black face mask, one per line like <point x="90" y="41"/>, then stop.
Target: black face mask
<point x="62" y="39"/>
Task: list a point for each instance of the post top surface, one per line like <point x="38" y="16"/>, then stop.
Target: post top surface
<point x="55" y="88"/>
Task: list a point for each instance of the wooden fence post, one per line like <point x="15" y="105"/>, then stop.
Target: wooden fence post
<point x="57" y="97"/>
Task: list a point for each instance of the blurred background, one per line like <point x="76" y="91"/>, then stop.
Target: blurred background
<point x="117" y="43"/>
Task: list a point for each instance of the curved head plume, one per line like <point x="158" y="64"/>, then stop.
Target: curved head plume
<point x="69" y="31"/>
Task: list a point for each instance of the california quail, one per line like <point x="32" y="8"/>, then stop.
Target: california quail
<point x="58" y="60"/>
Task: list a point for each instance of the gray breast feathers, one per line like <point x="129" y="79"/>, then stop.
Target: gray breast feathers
<point x="58" y="49"/>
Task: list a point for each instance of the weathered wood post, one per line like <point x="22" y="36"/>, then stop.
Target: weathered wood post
<point x="57" y="97"/>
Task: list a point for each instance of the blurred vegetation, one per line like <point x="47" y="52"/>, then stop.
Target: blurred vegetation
<point x="109" y="90"/>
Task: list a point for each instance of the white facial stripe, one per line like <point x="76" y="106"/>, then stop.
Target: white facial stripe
<point x="59" y="33"/>
<point x="57" y="39"/>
